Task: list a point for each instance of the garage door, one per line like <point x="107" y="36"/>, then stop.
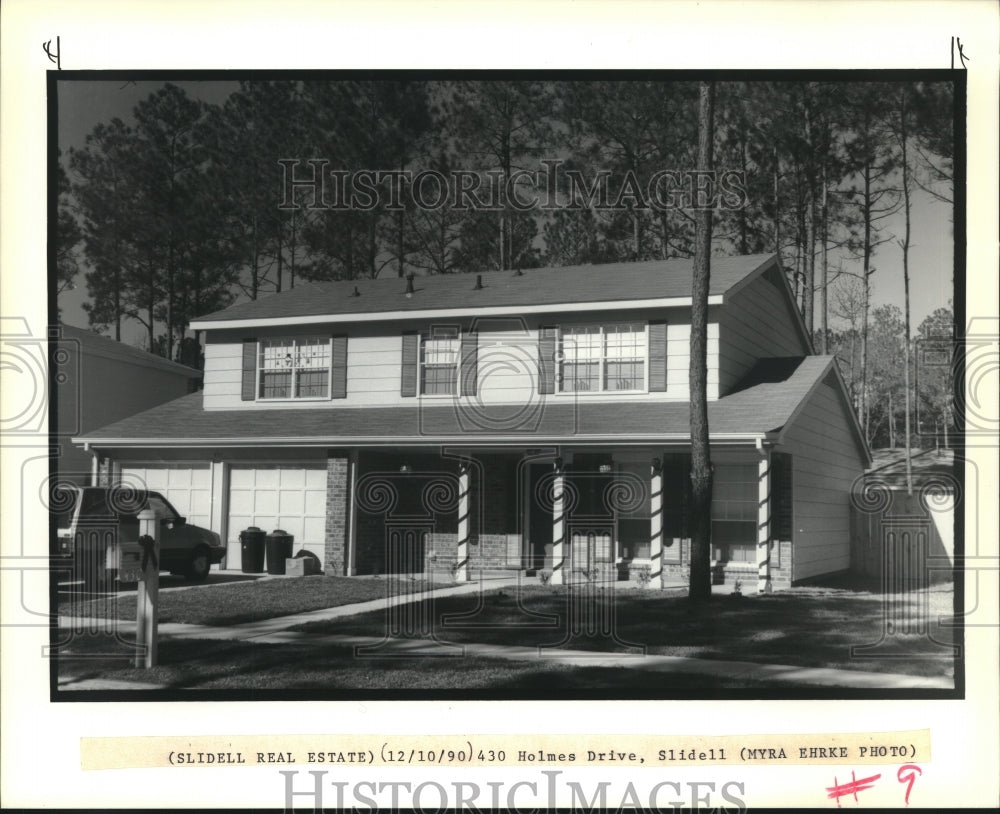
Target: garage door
<point x="286" y="497"/>
<point x="187" y="486"/>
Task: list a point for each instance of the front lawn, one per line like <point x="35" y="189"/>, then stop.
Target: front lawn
<point x="192" y="664"/>
<point x="810" y="627"/>
<point x="244" y="601"/>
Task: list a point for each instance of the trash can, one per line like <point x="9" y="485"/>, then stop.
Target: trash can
<point x="279" y="549"/>
<point x="252" y="550"/>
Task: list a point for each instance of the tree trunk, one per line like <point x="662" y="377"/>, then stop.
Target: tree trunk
<point x="809" y="234"/>
<point x="866" y="299"/>
<point x="892" y="423"/>
<point x="906" y="288"/>
<point x="825" y="272"/>
<point x="700" y="588"/>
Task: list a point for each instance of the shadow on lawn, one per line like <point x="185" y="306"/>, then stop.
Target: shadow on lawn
<point x="188" y="665"/>
<point x="814" y="627"/>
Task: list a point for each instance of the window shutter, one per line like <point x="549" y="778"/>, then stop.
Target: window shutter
<point x="248" y="391"/>
<point x="657" y="357"/>
<point x="546" y="360"/>
<point x="781" y="496"/>
<point x="411" y="350"/>
<point x="338" y="368"/>
<point x="470" y="363"/>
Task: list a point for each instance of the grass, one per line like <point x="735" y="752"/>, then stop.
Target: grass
<point x="810" y="627"/>
<point x="192" y="664"/>
<point x="240" y="601"/>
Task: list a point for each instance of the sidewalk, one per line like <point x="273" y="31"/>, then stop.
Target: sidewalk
<point x="276" y="631"/>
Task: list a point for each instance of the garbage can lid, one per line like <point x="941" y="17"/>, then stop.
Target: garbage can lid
<point x="280" y="531"/>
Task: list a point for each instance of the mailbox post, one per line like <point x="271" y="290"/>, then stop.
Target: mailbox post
<point x="147" y="601"/>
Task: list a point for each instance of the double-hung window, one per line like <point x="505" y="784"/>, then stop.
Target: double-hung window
<point x="294" y="368"/>
<point x="439" y="353"/>
<point x="603" y="358"/>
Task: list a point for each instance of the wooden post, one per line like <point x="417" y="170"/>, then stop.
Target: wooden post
<point x="764" y="520"/>
<point x="147" y="602"/>
<point x="656" y="524"/>
<point x="558" y="524"/>
<point x="462" y="553"/>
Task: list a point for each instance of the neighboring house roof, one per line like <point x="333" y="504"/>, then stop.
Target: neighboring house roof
<point x="96" y="345"/>
<point x="608" y="283"/>
<point x="763" y="406"/>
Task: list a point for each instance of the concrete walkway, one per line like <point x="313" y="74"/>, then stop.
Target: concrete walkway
<point x="276" y="631"/>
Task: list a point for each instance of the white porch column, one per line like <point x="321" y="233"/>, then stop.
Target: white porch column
<point x="558" y="524"/>
<point x="656" y="524"/>
<point x="763" y="520"/>
<point x="462" y="553"/>
<point x="351" y="543"/>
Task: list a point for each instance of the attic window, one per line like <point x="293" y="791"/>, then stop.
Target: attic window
<point x="294" y="368"/>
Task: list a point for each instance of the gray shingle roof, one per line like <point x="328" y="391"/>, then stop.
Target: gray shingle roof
<point x="758" y="408"/>
<point x="107" y="346"/>
<point x="606" y="282"/>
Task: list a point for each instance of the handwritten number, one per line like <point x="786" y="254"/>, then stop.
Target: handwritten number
<point x="54" y="56"/>
<point x="906" y="775"/>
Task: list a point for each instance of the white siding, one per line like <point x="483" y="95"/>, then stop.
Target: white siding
<point x="756" y="323"/>
<point x="507" y="363"/>
<point x="825" y="462"/>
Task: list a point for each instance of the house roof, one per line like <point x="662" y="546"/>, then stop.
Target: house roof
<point x="98" y="345"/>
<point x="566" y="285"/>
<point x="755" y="410"/>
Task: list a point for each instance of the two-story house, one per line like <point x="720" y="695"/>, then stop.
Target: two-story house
<point x="534" y="419"/>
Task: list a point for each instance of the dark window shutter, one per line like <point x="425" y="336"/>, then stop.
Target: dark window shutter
<point x="676" y="494"/>
<point x="546" y="360"/>
<point x="411" y="350"/>
<point x="338" y="368"/>
<point x="248" y="392"/>
<point x="781" y="496"/>
<point x="470" y="363"/>
<point x="657" y="357"/>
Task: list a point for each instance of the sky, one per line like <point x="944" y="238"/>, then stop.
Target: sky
<point x="84" y="104"/>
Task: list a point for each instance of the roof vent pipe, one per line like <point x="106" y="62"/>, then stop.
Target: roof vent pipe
<point x="518" y="273"/>
<point x="409" y="285"/>
<point x="356" y="293"/>
<point x="479" y="283"/>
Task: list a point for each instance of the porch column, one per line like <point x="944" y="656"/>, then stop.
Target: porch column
<point x="462" y="552"/>
<point x="763" y="520"/>
<point x="350" y="564"/>
<point x="558" y="523"/>
<point x="656" y="524"/>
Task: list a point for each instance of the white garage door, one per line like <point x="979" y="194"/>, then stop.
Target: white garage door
<point x="187" y="486"/>
<point x="286" y="497"/>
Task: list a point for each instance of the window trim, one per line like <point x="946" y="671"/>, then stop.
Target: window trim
<point x="560" y="359"/>
<point x="293" y="399"/>
<point x="438" y="332"/>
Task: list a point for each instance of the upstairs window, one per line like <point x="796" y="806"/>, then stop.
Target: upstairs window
<point x="439" y="354"/>
<point x="603" y="358"/>
<point x="294" y="368"/>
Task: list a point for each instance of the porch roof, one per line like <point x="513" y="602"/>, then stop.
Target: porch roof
<point x="761" y="404"/>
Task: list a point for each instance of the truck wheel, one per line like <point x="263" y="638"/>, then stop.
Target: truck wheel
<point x="199" y="565"/>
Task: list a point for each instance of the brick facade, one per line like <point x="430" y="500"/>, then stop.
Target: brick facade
<point x="337" y="493"/>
